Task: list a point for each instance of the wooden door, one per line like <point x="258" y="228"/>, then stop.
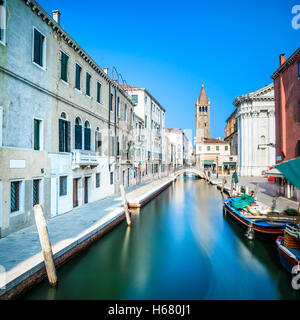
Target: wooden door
<point x="86" y="190"/>
<point x="75" y="193"/>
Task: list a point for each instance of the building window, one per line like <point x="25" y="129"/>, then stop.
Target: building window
<point x="64" y="67"/>
<point x="3" y="21"/>
<point x="97" y="180"/>
<point x="15" y="187"/>
<point x="36" y="134"/>
<point x="111" y="178"/>
<point x="226" y="148"/>
<point x="134" y="98"/>
<point x="98" y="142"/>
<point x="78" y="134"/>
<point x="111" y="102"/>
<point x="63" y="182"/>
<point x="98" y="92"/>
<point x="125" y="112"/>
<point x="118" y="107"/>
<point x="217" y="148"/>
<point x="38" y="48"/>
<point x="88" y="84"/>
<point x="35" y="192"/>
<point x="208" y="148"/>
<point x="64" y="128"/>
<point x="87" y="136"/>
<point x="77" y="76"/>
<point x="146" y="120"/>
<point x="131" y="117"/>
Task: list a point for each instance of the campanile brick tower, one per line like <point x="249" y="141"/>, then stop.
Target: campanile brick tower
<point x="202" y="116"/>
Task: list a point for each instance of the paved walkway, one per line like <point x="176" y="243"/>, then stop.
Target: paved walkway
<point x="267" y="193"/>
<point x="20" y="252"/>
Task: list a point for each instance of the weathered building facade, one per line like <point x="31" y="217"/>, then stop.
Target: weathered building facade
<point x="58" y="119"/>
<point x="256" y="131"/>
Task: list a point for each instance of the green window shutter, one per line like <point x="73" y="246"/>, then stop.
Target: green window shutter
<point x="36" y="134"/>
<point x="298" y="148"/>
<point x="88" y="81"/>
<point x="98" y="91"/>
<point x="41" y="41"/>
<point x="78" y="137"/>
<point x="87" y="139"/>
<point x="64" y="63"/>
<point x="77" y="80"/>
<point x="60" y="135"/>
<point x="36" y="45"/>
<point x="36" y="192"/>
<point x="14" y="196"/>
<point x="68" y="136"/>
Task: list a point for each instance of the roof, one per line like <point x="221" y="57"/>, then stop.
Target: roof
<point x="262" y="94"/>
<point x="287" y="63"/>
<point x="202" y="99"/>
<point x="217" y="141"/>
<point x="130" y="88"/>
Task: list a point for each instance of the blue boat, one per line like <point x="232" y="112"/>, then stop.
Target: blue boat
<point x="260" y="227"/>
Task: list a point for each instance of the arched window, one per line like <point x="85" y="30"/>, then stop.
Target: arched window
<point x="64" y="133"/>
<point x="78" y="133"/>
<point x="87" y="136"/>
<point x="118" y="107"/>
<point x="125" y="113"/>
<point x="205" y="109"/>
<point x="199" y="109"/>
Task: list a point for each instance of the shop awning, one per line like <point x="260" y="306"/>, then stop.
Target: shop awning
<point x="274" y="173"/>
<point x="229" y="163"/>
<point x="208" y="162"/>
<point x="291" y="171"/>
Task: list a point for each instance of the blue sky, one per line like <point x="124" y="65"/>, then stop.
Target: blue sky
<point x="172" y="47"/>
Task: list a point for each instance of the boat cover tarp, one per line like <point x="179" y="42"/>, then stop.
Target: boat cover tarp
<point x="242" y="201"/>
<point x="291" y="171"/>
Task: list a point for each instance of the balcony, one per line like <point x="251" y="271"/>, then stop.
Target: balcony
<point x="84" y="158"/>
<point x="156" y="156"/>
<point x="125" y="157"/>
<point x="156" y="135"/>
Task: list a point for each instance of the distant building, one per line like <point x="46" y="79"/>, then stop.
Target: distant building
<point x="256" y="131"/>
<point x="215" y="153"/>
<point x="287" y="113"/>
<point x="179" y="140"/>
<point x="153" y="115"/>
<point x="231" y="133"/>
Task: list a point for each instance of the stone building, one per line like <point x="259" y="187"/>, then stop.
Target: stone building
<point x="256" y="131"/>
<point x="231" y="134"/>
<point x="287" y="114"/>
<point x="153" y="115"/>
<point x="58" y="119"/>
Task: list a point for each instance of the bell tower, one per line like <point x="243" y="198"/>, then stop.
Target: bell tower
<point x="202" y="116"/>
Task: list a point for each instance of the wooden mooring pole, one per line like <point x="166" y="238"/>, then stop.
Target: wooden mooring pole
<point x="231" y="187"/>
<point x="127" y="214"/>
<point x="45" y="244"/>
<point x="223" y="185"/>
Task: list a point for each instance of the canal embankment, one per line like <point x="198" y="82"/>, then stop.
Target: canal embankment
<point x="21" y="257"/>
<point x="267" y="192"/>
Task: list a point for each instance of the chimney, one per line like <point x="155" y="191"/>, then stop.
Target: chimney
<point x="281" y="59"/>
<point x="105" y="70"/>
<point x="56" y="16"/>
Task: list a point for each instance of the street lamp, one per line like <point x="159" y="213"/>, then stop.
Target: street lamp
<point x="271" y="144"/>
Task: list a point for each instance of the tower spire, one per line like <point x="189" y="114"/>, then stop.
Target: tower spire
<point x="202" y="99"/>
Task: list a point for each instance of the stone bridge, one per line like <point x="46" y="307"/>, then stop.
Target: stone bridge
<point x="194" y="170"/>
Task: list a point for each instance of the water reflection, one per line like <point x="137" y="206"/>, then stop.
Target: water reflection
<point x="180" y="246"/>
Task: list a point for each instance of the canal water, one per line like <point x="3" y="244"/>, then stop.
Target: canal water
<point x="180" y="246"/>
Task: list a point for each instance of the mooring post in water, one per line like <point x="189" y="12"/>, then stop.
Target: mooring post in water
<point x="125" y="205"/>
<point x="231" y="189"/>
<point x="45" y="244"/>
<point x="223" y="184"/>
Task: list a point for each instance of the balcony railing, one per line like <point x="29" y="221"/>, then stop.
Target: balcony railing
<point x="84" y="158"/>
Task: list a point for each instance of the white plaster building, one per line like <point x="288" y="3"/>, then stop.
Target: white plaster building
<point x="256" y="129"/>
<point x="153" y="115"/>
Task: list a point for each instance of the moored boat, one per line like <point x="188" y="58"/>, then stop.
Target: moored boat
<point x="255" y="224"/>
<point x="288" y="247"/>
